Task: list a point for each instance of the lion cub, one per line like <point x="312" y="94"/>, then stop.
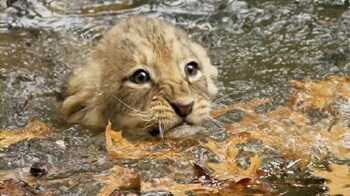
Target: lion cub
<point x="145" y="75"/>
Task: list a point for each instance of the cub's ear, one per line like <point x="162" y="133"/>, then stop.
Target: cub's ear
<point x="72" y="106"/>
<point x="77" y="101"/>
<point x="210" y="71"/>
<point x="212" y="80"/>
<point x="213" y="72"/>
<point x="201" y="54"/>
<point x="62" y="93"/>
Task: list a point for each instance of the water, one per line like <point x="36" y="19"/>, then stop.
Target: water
<point x="258" y="46"/>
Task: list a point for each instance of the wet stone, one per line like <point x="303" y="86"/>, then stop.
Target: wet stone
<point x="39" y="169"/>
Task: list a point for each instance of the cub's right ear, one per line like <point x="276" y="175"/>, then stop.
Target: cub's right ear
<point x="61" y="94"/>
<point x="70" y="105"/>
<point x="78" y="101"/>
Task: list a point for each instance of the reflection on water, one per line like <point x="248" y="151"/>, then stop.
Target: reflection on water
<point x="258" y="46"/>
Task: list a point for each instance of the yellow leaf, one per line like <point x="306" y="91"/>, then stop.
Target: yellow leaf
<point x="319" y="95"/>
<point x="175" y="188"/>
<point x="227" y="169"/>
<point x="121" y="148"/>
<point x="118" y="178"/>
<point x="339" y="179"/>
<point x="34" y="129"/>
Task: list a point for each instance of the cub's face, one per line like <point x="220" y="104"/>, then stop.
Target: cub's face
<point x="145" y="75"/>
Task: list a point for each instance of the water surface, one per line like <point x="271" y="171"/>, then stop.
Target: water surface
<point x="258" y="46"/>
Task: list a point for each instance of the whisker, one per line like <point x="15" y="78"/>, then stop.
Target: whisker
<point x="143" y="115"/>
<point x="150" y="125"/>
<point x="200" y="92"/>
<point x="207" y="123"/>
<point x="223" y="97"/>
<point x="161" y="132"/>
<point x="218" y="123"/>
<point x="133" y="109"/>
<point x="213" y="122"/>
<point x="134" y="112"/>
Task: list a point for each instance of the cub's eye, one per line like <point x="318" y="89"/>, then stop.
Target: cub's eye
<point x="191" y="68"/>
<point x="140" y="77"/>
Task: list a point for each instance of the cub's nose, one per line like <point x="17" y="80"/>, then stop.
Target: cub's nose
<point x="182" y="109"/>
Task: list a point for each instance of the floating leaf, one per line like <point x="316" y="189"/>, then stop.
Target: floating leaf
<point x="34" y="129"/>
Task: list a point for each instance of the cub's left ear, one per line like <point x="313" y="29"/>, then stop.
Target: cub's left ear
<point x="213" y="73"/>
<point x="209" y="71"/>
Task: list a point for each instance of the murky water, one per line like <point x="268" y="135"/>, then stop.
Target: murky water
<point x="258" y="47"/>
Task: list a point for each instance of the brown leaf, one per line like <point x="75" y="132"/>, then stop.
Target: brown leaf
<point x="20" y="182"/>
<point x="34" y="129"/>
<point x="319" y="95"/>
<point x="119" y="178"/>
<point x="175" y="188"/>
<point x="227" y="169"/>
<point x="121" y="148"/>
<point x="18" y="187"/>
<point x="339" y="179"/>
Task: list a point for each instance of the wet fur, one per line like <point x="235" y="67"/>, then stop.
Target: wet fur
<point x="100" y="89"/>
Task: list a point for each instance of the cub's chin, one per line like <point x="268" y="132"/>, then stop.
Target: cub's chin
<point x="145" y="76"/>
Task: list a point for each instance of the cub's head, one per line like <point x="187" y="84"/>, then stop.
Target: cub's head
<point x="145" y="75"/>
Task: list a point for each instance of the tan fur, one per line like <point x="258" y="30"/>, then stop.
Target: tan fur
<point x="100" y="90"/>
